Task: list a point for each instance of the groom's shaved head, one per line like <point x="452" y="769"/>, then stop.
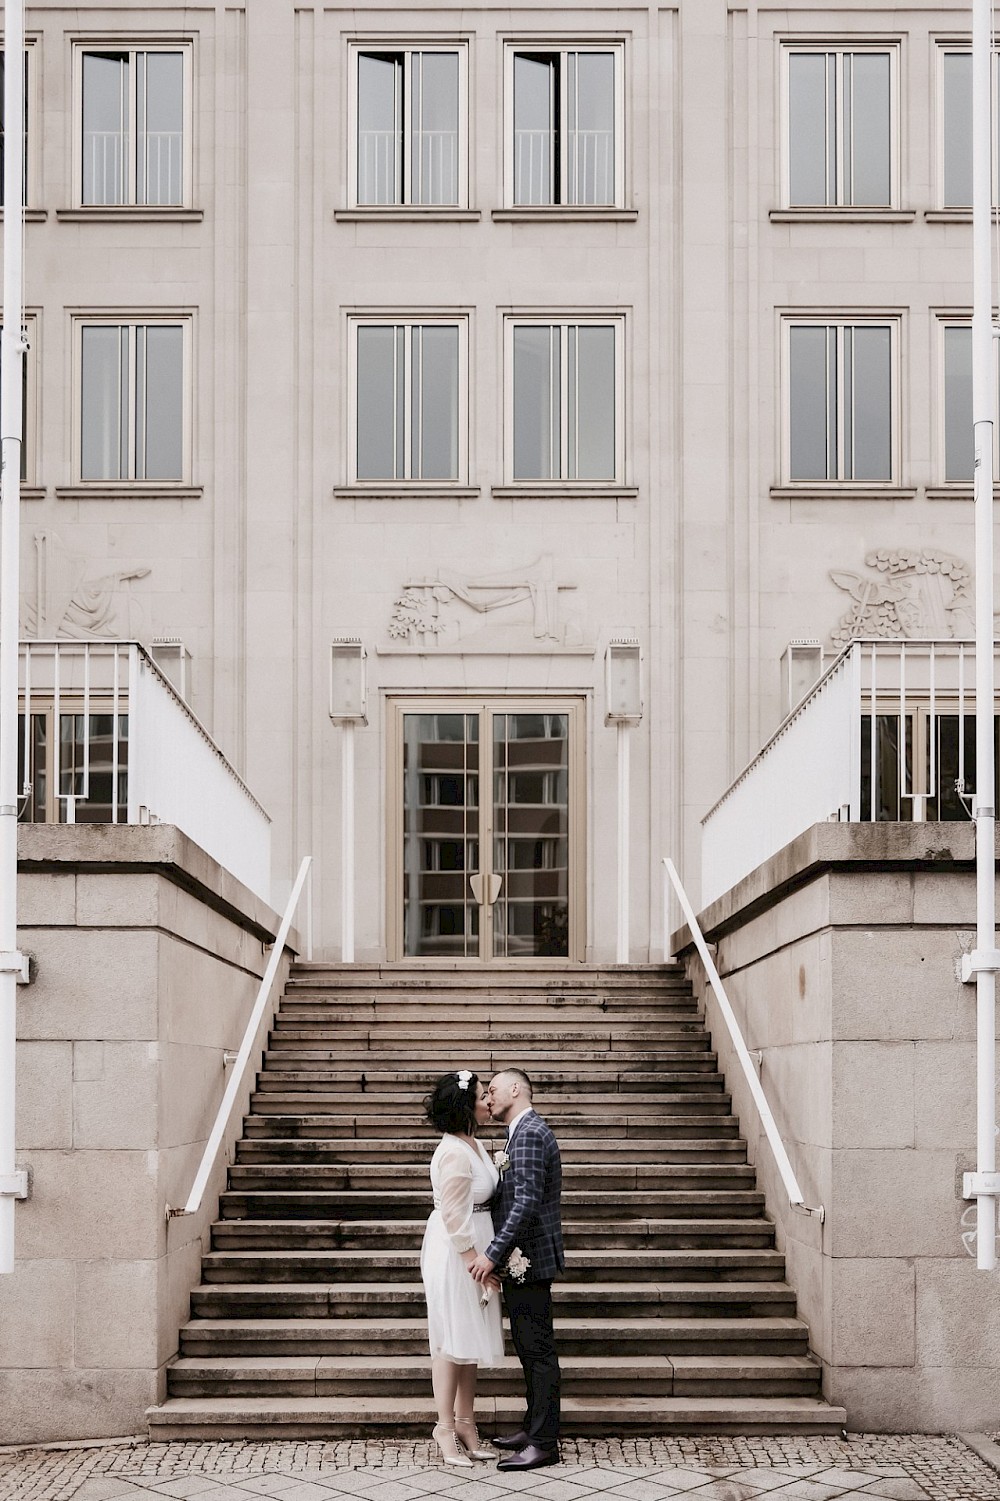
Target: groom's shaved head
<point x="519" y="1075"/>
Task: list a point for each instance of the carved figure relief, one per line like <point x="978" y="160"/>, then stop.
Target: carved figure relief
<point x="72" y="601"/>
<point x="912" y="595"/>
<point x="449" y="606"/>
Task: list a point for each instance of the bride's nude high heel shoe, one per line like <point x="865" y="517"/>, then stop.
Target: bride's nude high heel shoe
<point x="452" y="1451"/>
<point x="470" y="1440"/>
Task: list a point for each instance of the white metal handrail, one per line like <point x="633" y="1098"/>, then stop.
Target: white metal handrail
<point x="788" y="1177"/>
<point x="250" y="1039"/>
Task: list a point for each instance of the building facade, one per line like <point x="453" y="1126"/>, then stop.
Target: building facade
<point x="486" y="338"/>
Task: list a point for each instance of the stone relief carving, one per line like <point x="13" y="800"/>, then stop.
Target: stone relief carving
<point x="450" y="606"/>
<point x="71" y="600"/>
<point x="914" y="594"/>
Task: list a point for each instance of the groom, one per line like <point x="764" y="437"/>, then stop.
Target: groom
<point x="526" y="1218"/>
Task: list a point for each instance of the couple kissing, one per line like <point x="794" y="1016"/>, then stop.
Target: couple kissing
<point x="495" y="1231"/>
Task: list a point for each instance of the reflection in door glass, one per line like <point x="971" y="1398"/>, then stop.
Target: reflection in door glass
<point x="440" y="834"/>
<point x="531" y="834"/>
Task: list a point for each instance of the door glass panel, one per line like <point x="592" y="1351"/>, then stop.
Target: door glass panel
<point x="440" y="834"/>
<point x="531" y="834"/>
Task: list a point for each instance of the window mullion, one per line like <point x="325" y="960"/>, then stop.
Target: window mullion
<point x="563" y="401"/>
<point x="405" y="126"/>
<point x="131" y="151"/>
<point x="408" y="464"/>
<point x="837" y="130"/>
<point x="562" y="141"/>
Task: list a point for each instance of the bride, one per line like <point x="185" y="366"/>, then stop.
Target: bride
<point x="463" y="1332"/>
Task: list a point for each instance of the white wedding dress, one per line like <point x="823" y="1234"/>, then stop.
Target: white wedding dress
<point x="459" y="1327"/>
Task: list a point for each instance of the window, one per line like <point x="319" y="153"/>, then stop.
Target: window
<point x="840" y="127"/>
<point x="84" y="779"/>
<point x="564" y="417"/>
<point x="409" y="382"/>
<point x="28" y="61"/>
<point x="132" y="400"/>
<point x="134" y="136"/>
<point x="409" y="145"/>
<point x="565" y="138"/>
<point x="955" y="160"/>
<point x="841" y="400"/>
<point x="959" y="442"/>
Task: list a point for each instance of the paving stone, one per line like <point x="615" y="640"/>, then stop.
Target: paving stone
<point x="807" y="1490"/>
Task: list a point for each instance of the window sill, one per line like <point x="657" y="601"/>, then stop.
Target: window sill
<point x="955" y="492"/>
<point x="127" y="490"/>
<point x="31" y="215"/>
<point x="556" y="213"/>
<point x="842" y="215"/>
<point x="417" y="490"/>
<point x="33" y="492"/>
<point x="125" y="213"/>
<point x="407" y="214"/>
<point x="845" y="490"/>
<point x="562" y="490"/>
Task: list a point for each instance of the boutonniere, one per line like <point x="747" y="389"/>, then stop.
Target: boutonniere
<point x="501" y="1161"/>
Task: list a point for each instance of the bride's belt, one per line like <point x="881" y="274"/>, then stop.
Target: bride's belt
<point x="476" y="1208"/>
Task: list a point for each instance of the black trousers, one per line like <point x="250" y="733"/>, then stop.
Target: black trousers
<point x="529" y="1306"/>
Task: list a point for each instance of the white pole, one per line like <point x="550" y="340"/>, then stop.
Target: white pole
<point x="983" y="408"/>
<point x="347" y="843"/>
<point x="624" y="770"/>
<point x="11" y="365"/>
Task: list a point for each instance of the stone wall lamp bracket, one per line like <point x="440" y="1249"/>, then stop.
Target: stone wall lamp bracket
<point x="976" y="1184"/>
<point x="14" y="1185"/>
<point x="15" y="963"/>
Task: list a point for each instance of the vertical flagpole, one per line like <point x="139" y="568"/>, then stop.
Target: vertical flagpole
<point x="11" y="365"/>
<point x="983" y="963"/>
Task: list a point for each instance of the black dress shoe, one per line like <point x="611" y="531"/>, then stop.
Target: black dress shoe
<point x="529" y="1458"/>
<point x="515" y="1441"/>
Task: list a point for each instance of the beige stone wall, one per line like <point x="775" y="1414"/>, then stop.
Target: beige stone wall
<point x="149" y="959"/>
<point x="839" y="958"/>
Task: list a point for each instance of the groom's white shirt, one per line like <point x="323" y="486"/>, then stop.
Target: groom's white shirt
<point x="516" y="1122"/>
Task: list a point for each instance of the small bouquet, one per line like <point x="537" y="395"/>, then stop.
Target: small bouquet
<point x="515" y="1267"/>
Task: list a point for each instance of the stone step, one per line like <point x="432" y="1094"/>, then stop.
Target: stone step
<point x="409" y="1375"/>
<point x="606" y="1032"/>
<point x="332" y="1177"/>
<point x="742" y="1265"/>
<point x="656" y="1299"/>
<point x="383" y="1083"/>
<point x="464" y="976"/>
<point x="485" y="1015"/>
<point x="396" y="1204"/>
<point x="589" y="1109"/>
<point x="539" y="1064"/>
<point x="590" y="1150"/>
<point x="303" y="1418"/>
<point x="665" y="1127"/>
<point x="670" y="1335"/>
<point x="748" y="1232"/>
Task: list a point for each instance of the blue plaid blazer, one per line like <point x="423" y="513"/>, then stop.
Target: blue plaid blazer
<point x="526" y="1204"/>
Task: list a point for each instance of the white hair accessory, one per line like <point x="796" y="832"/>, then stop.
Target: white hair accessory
<point x="464" y="1076"/>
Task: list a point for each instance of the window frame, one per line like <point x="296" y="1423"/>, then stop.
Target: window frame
<point x="563" y="46"/>
<point x="563" y="320"/>
<point x="408" y="320"/>
<point x="406" y="46"/>
<point x="840" y="47"/>
<point x="841" y="320"/>
<point x="944" y="46"/>
<point x="184" y="319"/>
<point x="132" y="45"/>
<point x="31" y="154"/>
<point x="944" y="320"/>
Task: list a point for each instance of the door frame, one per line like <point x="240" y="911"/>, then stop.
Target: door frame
<point x="575" y="707"/>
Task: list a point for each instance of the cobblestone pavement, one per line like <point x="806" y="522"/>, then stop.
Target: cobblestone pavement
<point x="887" y="1467"/>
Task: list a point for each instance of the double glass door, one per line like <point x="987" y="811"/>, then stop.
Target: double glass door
<point x="485" y="853"/>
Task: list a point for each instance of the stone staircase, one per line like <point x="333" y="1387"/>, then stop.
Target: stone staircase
<point x="674" y="1314"/>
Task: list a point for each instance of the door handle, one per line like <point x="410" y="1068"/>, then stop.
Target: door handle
<point x="485" y="888"/>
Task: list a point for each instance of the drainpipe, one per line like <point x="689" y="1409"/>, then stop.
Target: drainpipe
<point x="13" y="966"/>
<point x="982" y="965"/>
